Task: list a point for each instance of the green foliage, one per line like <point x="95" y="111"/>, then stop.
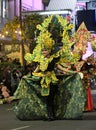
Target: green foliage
<point x="30" y="30"/>
<point x="10" y="28"/>
<point x="56" y="29"/>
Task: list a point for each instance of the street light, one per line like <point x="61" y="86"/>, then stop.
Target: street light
<point x="21" y="41"/>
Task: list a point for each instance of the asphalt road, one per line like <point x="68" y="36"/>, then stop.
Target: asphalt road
<point x="8" y="121"/>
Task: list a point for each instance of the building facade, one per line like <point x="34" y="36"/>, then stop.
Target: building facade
<point x="11" y="8"/>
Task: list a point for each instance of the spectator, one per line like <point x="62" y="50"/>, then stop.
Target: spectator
<point x="4" y="91"/>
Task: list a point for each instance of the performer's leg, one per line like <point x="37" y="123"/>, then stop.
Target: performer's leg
<point x="50" y="102"/>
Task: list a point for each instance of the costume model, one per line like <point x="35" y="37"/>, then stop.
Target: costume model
<point x="43" y="94"/>
<point x="86" y="65"/>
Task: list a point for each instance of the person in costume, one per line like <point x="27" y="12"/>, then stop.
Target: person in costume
<point x="37" y="91"/>
<point x="47" y="65"/>
<point x="45" y="92"/>
<point x="85" y="68"/>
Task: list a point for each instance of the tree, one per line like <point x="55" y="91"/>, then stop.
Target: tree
<point x="12" y="30"/>
<point x="30" y="31"/>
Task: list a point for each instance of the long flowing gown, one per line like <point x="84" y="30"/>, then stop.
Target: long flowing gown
<point x="70" y="98"/>
<point x="68" y="102"/>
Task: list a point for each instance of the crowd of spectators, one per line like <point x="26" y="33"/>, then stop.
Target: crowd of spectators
<point x="10" y="75"/>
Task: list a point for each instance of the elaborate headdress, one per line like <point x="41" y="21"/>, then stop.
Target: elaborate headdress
<point x="45" y="40"/>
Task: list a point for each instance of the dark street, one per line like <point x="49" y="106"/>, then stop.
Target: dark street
<point x="8" y="121"/>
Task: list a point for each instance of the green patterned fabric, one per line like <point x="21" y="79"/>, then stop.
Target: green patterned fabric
<point x="30" y="104"/>
<point x="70" y="98"/>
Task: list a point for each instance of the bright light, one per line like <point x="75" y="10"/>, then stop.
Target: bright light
<point x="16" y="31"/>
<point x="19" y="32"/>
<point x="6" y="32"/>
<point x="2" y="36"/>
<point x="55" y="12"/>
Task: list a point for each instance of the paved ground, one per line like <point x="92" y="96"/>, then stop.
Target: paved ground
<point x="8" y="121"/>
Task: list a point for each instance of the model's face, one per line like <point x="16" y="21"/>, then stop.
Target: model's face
<point x="46" y="52"/>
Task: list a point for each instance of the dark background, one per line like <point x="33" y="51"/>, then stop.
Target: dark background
<point x="88" y="17"/>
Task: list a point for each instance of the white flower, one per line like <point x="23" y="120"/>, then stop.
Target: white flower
<point x="81" y="75"/>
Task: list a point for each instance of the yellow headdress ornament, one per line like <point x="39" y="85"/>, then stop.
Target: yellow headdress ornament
<point x="45" y="39"/>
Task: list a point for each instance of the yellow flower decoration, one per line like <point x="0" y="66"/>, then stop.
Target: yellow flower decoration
<point x="45" y="37"/>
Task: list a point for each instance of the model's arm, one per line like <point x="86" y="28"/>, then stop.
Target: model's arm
<point x="66" y="70"/>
